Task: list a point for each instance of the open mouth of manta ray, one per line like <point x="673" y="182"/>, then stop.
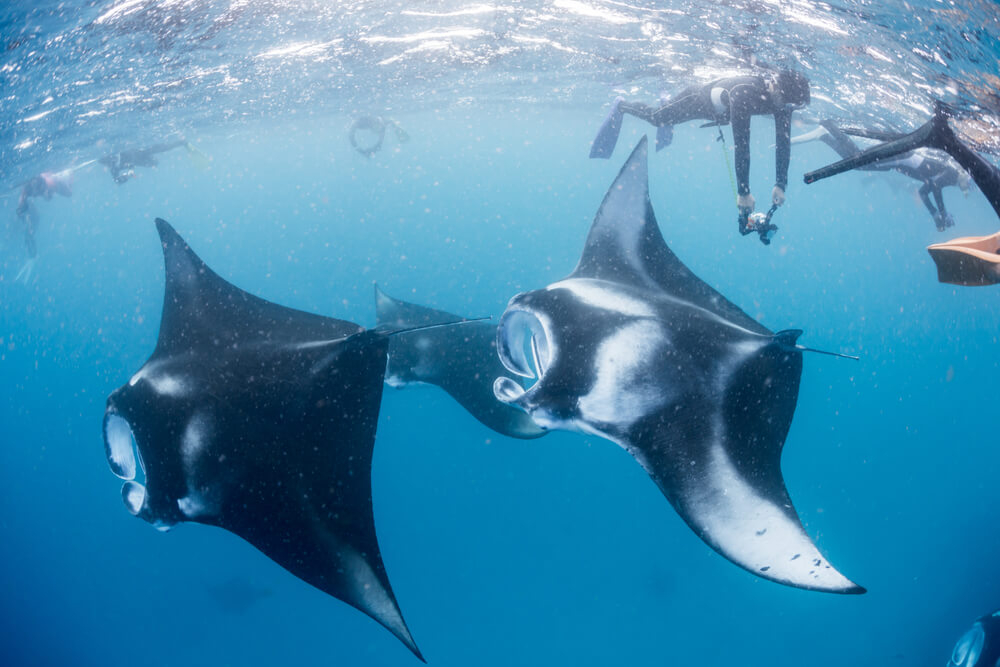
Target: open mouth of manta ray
<point x="122" y="452"/>
<point x="524" y="349"/>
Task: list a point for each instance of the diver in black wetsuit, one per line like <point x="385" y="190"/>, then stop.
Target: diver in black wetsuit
<point x="935" y="133"/>
<point x="731" y="101"/>
<point x="122" y="164"/>
<point x="934" y="171"/>
<point x="43" y="185"/>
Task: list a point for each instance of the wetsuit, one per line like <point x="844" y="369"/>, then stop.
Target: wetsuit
<point x="933" y="171"/>
<point x="38" y="186"/>
<point x="121" y="164"/>
<point x="729" y="101"/>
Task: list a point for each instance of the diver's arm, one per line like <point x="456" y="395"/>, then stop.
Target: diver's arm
<point x="739" y="116"/>
<point x="782" y="147"/>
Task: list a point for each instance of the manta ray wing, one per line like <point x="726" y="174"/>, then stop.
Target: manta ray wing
<point x="461" y="360"/>
<point x="717" y="459"/>
<point x="201" y="309"/>
<point x="625" y="246"/>
<point x="634" y="347"/>
<point x="261" y="420"/>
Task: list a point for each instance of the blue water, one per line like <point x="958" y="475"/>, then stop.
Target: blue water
<point x="500" y="552"/>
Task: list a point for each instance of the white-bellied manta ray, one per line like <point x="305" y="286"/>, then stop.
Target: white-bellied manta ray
<point x="461" y="360"/>
<point x="633" y="347"/>
<point x="261" y="420"/>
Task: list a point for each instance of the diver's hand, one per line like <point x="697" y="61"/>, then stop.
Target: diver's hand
<point x="745" y="204"/>
<point x="27" y="272"/>
<point x="778" y="195"/>
<point x="943" y="221"/>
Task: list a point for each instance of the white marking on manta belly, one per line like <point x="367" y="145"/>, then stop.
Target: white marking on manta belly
<point x="193" y="442"/>
<point x="163" y="383"/>
<point x="602" y="294"/>
<point x="624" y="389"/>
<point x="754" y="532"/>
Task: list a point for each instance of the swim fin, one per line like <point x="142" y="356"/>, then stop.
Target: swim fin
<point x="935" y="133"/>
<point x="813" y="135"/>
<point x="664" y="136"/>
<point x="969" y="261"/>
<point x="198" y="159"/>
<point x="878" y="135"/>
<point x="607" y="136"/>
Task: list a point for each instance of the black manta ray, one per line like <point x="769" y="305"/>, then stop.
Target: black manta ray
<point x="633" y="347"/>
<point x="461" y="360"/>
<point x="261" y="420"/>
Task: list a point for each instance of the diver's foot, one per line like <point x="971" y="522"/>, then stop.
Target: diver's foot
<point x="27" y="272"/>
<point x="607" y="136"/>
<point x="943" y="221"/>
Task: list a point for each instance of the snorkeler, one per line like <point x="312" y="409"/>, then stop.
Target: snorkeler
<point x="43" y="185"/>
<point x="934" y="171"/>
<point x="375" y="125"/>
<point x="732" y="101"/>
<point x="966" y="261"/>
<point x="122" y="164"/>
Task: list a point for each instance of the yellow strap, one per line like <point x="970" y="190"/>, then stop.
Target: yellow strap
<point x="729" y="167"/>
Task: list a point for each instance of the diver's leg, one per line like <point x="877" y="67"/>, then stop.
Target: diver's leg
<point x="943" y="218"/>
<point x="935" y="133"/>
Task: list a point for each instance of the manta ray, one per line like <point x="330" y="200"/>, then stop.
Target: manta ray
<point x="635" y="348"/>
<point x="461" y="360"/>
<point x="261" y="420"/>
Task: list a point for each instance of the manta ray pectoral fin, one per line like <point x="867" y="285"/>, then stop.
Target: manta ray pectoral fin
<point x="625" y="246"/>
<point x="455" y="353"/>
<point x="261" y="420"/>
<point x="200" y="308"/>
<point x="719" y="465"/>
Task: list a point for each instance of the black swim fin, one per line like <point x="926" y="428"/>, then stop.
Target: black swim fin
<point x="607" y="136"/>
<point x="877" y="135"/>
<point x="935" y="133"/>
<point x="905" y="144"/>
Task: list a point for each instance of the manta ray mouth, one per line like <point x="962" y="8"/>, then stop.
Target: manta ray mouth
<point x="524" y="350"/>
<point x="122" y="451"/>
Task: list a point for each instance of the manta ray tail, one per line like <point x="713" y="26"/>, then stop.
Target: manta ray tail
<point x="789" y="340"/>
<point x="391" y="331"/>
